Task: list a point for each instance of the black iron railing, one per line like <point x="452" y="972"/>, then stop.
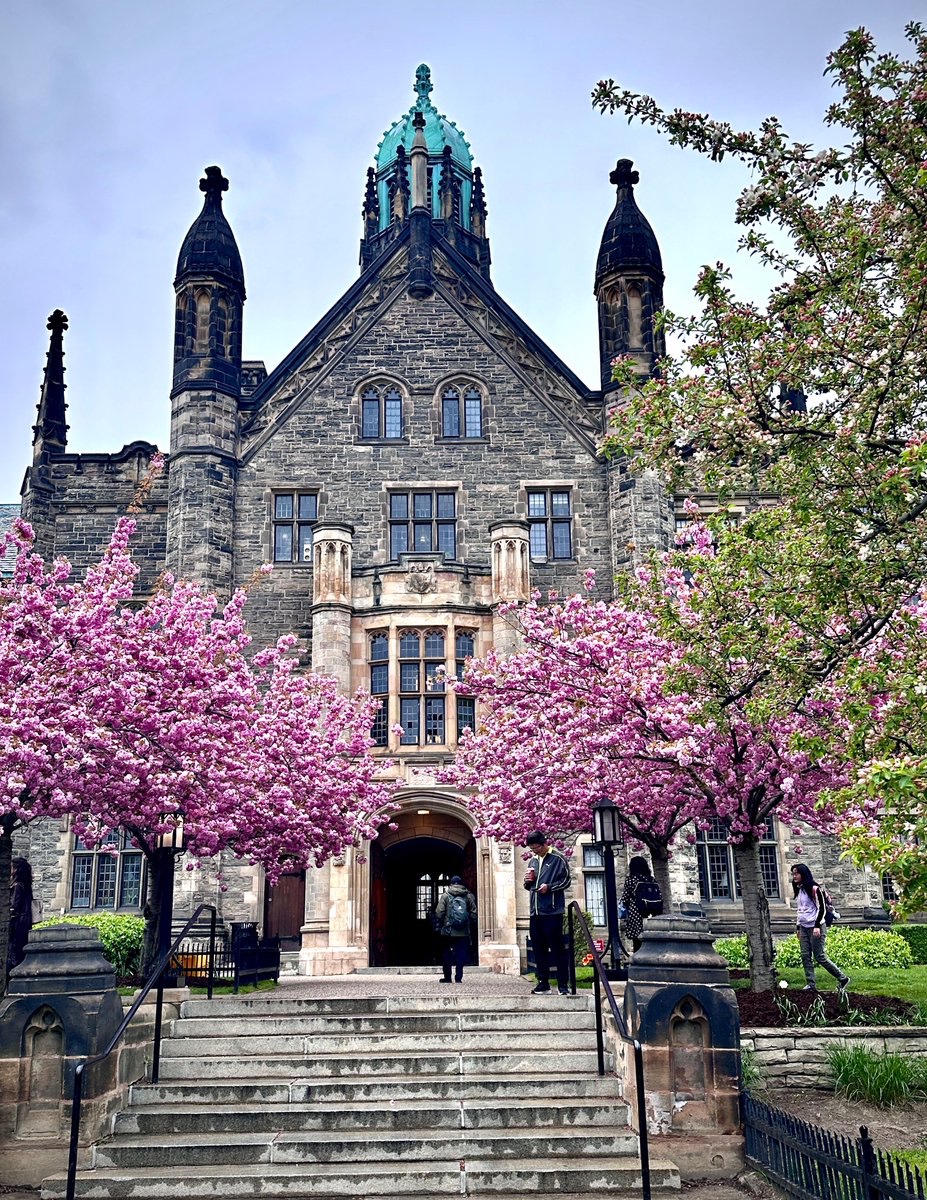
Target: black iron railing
<point x="601" y="984"/>
<point x="811" y="1163"/>
<point x="155" y="980"/>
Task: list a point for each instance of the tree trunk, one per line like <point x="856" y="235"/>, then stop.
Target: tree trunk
<point x="6" y="868"/>
<point x="659" y="858"/>
<point x="756" y="914"/>
<point x="159" y="902"/>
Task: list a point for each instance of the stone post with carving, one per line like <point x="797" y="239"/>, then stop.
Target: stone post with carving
<point x="680" y="1004"/>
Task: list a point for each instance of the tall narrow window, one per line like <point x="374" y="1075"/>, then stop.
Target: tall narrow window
<point x="464" y="648"/>
<point x="594" y="884"/>
<point x="295" y="513"/>
<point x="635" y="334"/>
<point x="202" y="323"/>
<point x="378" y="657"/>
<point x="421" y="687"/>
<point x="550" y="524"/>
<point x="381" y="413"/>
<point x="462" y="413"/>
<point x="423" y="522"/>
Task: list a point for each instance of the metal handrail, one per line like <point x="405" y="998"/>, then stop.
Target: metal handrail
<point x="155" y="980"/>
<point x="600" y="980"/>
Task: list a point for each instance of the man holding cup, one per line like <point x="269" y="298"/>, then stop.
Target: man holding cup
<point x="547" y="879"/>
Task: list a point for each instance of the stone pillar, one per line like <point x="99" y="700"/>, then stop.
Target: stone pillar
<point x="62" y="1007"/>
<point x="680" y="1005"/>
<point x="510" y="556"/>
<point x="332" y="549"/>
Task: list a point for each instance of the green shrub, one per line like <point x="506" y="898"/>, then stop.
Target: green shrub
<point x="916" y="937"/>
<point x="883" y="1079"/>
<point x="734" y="952"/>
<point x="121" y="934"/>
<point x="853" y="950"/>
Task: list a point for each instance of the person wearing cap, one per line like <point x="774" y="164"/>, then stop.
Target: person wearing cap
<point x="547" y="879"/>
<point x="455" y="939"/>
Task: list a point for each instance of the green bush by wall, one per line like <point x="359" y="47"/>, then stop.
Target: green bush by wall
<point x="849" y="949"/>
<point x="916" y="937"/>
<point x="854" y="950"/>
<point x="120" y="933"/>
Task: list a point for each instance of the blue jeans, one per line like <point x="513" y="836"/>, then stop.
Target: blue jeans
<point x="812" y="948"/>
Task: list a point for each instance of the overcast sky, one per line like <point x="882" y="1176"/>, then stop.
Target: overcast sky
<point x="109" y="111"/>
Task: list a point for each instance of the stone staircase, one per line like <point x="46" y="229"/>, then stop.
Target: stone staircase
<point x="414" y="1096"/>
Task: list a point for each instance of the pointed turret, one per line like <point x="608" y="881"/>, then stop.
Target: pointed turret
<point x="210" y="287"/>
<point x="50" y="432"/>
<point x="628" y="281"/>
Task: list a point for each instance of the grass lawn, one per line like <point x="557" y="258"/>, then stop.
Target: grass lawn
<point x="906" y="985"/>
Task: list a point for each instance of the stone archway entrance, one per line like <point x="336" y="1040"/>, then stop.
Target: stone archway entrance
<point x="409" y="868"/>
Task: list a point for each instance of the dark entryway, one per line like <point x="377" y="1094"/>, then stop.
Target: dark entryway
<point x="406" y="880"/>
<point x="284" y="910"/>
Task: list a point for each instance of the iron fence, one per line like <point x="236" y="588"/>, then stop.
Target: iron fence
<point x="811" y="1163"/>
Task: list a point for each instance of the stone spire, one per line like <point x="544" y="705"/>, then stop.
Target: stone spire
<point x="50" y="432"/>
<point x="628" y="282"/>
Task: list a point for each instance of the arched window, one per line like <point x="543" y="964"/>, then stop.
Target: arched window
<point x="202" y="323"/>
<point x="381" y="412"/>
<point x="422" y="670"/>
<point x="462" y="412"/>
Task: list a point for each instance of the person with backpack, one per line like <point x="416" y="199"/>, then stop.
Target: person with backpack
<point x="456" y="909"/>
<point x="641" y="897"/>
<point x="811" y="912"/>
<point x="547" y="880"/>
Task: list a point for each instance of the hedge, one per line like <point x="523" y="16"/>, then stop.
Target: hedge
<point x="121" y="934"/>
<point x="849" y="949"/>
<point x="916" y="937"/>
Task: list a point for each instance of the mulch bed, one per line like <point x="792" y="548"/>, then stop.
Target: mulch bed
<point x="758" y="1010"/>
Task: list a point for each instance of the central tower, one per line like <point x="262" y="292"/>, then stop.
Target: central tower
<point x="446" y="190"/>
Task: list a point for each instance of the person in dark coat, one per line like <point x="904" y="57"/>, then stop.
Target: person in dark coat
<point x="20" y="912"/>
<point x="455" y="941"/>
<point x="638" y="869"/>
<point x="547" y="880"/>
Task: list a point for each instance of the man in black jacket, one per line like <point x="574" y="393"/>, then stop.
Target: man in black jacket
<point x="547" y="879"/>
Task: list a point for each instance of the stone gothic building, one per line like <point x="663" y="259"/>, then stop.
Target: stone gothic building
<point x="419" y="458"/>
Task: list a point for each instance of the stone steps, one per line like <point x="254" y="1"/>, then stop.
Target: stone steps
<point x="618" y="1176"/>
<point x="282" y="1117"/>
<point x="374" y="1096"/>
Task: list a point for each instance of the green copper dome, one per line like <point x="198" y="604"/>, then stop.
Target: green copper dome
<point x="439" y="131"/>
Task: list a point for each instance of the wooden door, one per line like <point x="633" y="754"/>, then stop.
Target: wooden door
<point x="284" y="910"/>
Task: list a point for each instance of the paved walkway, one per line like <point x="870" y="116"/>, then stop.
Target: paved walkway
<point x="427" y="983"/>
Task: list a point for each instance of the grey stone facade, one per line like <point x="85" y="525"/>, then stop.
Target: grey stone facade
<point x="422" y="318"/>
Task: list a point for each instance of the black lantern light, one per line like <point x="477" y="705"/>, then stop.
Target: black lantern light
<point x="609" y="834"/>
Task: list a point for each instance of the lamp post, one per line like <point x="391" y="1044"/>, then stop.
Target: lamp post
<point x="168" y="846"/>
<point x="609" y="834"/>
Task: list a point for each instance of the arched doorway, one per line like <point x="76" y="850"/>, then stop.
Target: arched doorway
<point x="409" y="868"/>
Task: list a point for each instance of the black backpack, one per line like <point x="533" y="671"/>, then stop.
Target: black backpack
<point x="830" y="913"/>
<point x="648" y="898"/>
<point x="456" y="916"/>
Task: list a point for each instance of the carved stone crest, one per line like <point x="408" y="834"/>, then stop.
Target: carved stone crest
<point x="420" y="578"/>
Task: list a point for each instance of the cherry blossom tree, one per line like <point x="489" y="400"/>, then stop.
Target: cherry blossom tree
<point x="650" y="700"/>
<point x="818" y="396"/>
<point x="153" y="717"/>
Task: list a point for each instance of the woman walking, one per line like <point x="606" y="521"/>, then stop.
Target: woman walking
<point x="811" y="930"/>
<point x="638" y="872"/>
